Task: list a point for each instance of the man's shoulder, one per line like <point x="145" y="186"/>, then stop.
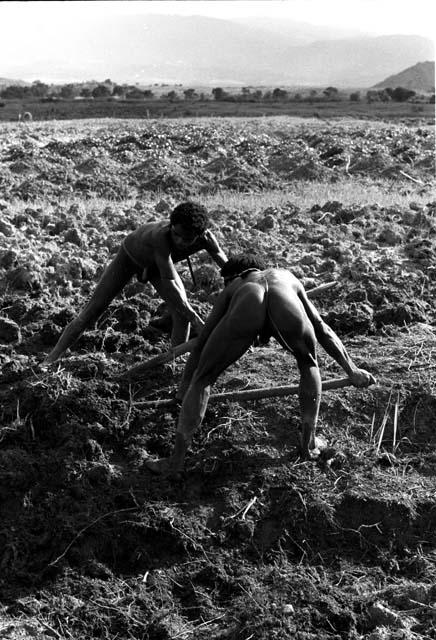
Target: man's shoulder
<point x="150" y="237"/>
<point x="146" y="229"/>
<point x="281" y="274"/>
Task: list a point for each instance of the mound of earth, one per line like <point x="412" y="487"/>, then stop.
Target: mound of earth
<point x="125" y="158"/>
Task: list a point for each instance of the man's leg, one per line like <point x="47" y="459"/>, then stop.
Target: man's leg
<point x="180" y="325"/>
<point x="293" y="330"/>
<point x="112" y="281"/>
<point x="310" y="398"/>
<point x="230" y="339"/>
<point x="194" y="404"/>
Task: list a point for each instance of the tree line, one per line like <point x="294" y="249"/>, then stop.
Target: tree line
<point x="109" y="89"/>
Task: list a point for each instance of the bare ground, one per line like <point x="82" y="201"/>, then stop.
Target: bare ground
<point x="251" y="543"/>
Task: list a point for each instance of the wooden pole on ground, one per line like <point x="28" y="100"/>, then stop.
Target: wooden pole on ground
<point x="253" y="394"/>
<point x="314" y="293"/>
<point x="140" y="370"/>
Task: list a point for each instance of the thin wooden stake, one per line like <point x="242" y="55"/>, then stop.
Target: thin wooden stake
<point x="253" y="394"/>
<point x="372" y="427"/>
<point x="406" y="175"/>
<point x="394" y="442"/>
<point x="383" y="425"/>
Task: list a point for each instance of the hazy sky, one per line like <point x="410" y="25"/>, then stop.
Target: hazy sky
<point x="373" y="16"/>
<point x="35" y="42"/>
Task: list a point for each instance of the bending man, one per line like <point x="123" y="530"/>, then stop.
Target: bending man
<point x="150" y="252"/>
<point x="257" y="303"/>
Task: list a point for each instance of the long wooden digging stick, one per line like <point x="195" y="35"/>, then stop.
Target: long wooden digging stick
<point x="314" y="293"/>
<point x="141" y="369"/>
<point x="254" y="394"/>
<point x="156" y="361"/>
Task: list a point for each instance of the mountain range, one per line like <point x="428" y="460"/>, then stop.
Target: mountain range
<point x="198" y="50"/>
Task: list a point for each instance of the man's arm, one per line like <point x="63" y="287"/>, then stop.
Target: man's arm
<point x="171" y="288"/>
<point x="214" y="249"/>
<point x="333" y="345"/>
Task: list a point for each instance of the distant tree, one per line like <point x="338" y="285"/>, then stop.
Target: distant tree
<point x="257" y="95"/>
<point x="119" y="90"/>
<point x="13" y="91"/>
<point x="431" y="99"/>
<point x="189" y="94"/>
<point x="171" y="96"/>
<point x="134" y="93"/>
<point x="331" y="93"/>
<point x="109" y="85"/>
<point x="148" y="93"/>
<point x="219" y="93"/>
<point x="383" y="95"/>
<point x="101" y="91"/>
<point x="85" y="92"/>
<point x="401" y="94"/>
<point x="68" y="91"/>
<point x="372" y="96"/>
<point x="39" y="89"/>
<point x="279" y="94"/>
<point x="297" y="97"/>
<point x="355" y="96"/>
<point x="312" y="95"/>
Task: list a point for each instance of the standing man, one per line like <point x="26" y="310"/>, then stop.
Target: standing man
<point x="150" y="253"/>
<point x="257" y="302"/>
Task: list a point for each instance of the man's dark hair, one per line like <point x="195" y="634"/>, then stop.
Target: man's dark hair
<point x="237" y="264"/>
<point x="190" y="215"/>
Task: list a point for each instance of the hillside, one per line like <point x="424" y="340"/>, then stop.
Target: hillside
<point x="6" y="82"/>
<point x="420" y="77"/>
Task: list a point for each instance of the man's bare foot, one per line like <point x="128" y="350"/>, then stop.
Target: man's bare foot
<point x="162" y="466"/>
<point x="51" y="357"/>
<point x="314" y="453"/>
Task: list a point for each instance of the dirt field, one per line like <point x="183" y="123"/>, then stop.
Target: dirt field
<point x="252" y="543"/>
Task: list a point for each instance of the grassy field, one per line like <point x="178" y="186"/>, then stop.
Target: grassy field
<point x="159" y="108"/>
<point x="251" y="543"/>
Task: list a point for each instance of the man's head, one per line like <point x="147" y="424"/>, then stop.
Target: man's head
<point x="239" y="263"/>
<point x="188" y="221"/>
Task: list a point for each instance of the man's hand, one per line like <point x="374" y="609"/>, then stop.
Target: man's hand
<point x="362" y="378"/>
<point x="197" y="322"/>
